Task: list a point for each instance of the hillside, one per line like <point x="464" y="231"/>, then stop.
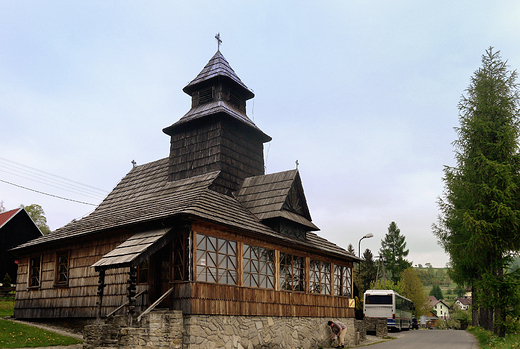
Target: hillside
<point x="438" y="277"/>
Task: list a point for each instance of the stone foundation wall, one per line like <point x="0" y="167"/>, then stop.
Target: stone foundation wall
<point x="160" y="329"/>
<point x="259" y="332"/>
<point x="377" y="325"/>
<point x="170" y="329"/>
<point x="361" y="331"/>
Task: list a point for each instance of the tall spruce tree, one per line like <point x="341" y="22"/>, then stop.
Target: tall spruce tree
<point x="480" y="212"/>
<point x="393" y="250"/>
<point x="367" y="271"/>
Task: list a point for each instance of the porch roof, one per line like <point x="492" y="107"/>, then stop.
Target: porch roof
<point x="134" y="249"/>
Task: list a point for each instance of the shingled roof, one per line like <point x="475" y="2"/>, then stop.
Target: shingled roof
<point x="213" y="108"/>
<point x="146" y="195"/>
<point x="217" y="67"/>
<point x="276" y="195"/>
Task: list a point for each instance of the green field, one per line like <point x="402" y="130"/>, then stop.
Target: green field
<point x="6" y="306"/>
<point x="16" y="335"/>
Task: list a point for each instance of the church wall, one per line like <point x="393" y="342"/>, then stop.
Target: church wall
<point x="78" y="297"/>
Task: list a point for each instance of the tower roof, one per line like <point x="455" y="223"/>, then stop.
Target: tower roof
<point x="217" y="67"/>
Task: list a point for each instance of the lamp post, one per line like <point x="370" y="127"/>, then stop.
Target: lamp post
<point x="369" y="235"/>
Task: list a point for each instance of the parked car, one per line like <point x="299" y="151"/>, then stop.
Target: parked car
<point x="415" y="325"/>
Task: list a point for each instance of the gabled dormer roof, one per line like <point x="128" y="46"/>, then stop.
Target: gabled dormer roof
<point x="217" y="67"/>
<point x="276" y="195"/>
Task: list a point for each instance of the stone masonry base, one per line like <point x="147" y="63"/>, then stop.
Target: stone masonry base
<point x="170" y="329"/>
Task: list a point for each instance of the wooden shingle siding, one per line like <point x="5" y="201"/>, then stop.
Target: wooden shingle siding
<point x="79" y="297"/>
<point x="216" y="145"/>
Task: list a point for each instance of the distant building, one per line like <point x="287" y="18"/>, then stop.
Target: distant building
<point x="464" y="303"/>
<point x="16" y="228"/>
<point x="440" y="307"/>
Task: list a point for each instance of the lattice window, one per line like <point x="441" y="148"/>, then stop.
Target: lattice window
<point x="179" y="257"/>
<point x="293" y="231"/>
<point x="292" y="272"/>
<point x="342" y="281"/>
<point x="62" y="268"/>
<point x="320" y="280"/>
<point x="259" y="267"/>
<point x="216" y="260"/>
<point x="35" y="267"/>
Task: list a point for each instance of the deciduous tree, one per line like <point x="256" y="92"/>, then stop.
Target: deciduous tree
<point x="412" y="288"/>
<point x="37" y="214"/>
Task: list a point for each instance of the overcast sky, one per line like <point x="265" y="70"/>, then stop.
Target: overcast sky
<point x="362" y="93"/>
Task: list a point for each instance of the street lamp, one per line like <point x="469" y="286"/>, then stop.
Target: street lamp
<point x="369" y="235"/>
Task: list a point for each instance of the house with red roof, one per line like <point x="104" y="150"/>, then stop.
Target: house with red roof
<point x="16" y="227"/>
<point x="464" y="303"/>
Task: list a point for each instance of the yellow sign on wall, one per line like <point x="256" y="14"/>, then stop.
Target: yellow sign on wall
<point x="351" y="303"/>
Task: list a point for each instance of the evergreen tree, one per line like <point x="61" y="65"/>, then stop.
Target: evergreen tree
<point x="480" y="211"/>
<point x="437" y="292"/>
<point x="393" y="250"/>
<point x="367" y="272"/>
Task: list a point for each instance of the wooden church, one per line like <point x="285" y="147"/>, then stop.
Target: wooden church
<point x="204" y="231"/>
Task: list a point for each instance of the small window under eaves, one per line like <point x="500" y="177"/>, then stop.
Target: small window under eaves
<point x="206" y="95"/>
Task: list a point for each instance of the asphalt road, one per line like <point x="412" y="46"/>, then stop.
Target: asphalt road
<point x="429" y="339"/>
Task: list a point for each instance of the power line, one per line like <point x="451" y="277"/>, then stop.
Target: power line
<point x="41" y="192"/>
<point x="52" y="177"/>
<point x="95" y="196"/>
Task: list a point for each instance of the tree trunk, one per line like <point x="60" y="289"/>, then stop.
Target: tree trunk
<point x="500" y="313"/>
<point x="486" y="318"/>
<point x="474" y="308"/>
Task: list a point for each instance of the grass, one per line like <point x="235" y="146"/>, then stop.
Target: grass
<point x="488" y="340"/>
<point x="6" y="306"/>
<point x="15" y="335"/>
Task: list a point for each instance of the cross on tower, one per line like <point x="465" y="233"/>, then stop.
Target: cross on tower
<point x="218" y="41"/>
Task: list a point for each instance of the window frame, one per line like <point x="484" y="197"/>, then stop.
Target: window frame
<point x="320" y="279"/>
<point x="261" y="276"/>
<point x="342" y="281"/>
<point x="30" y="275"/>
<point x="294" y="274"/>
<point x="57" y="269"/>
<point x="220" y="259"/>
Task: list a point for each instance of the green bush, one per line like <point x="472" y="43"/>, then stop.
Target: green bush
<point x="7" y="280"/>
